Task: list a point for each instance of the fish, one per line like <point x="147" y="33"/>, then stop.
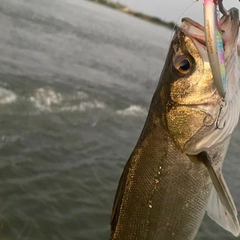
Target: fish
<point x="174" y="174"/>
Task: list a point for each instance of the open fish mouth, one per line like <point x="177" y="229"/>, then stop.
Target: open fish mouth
<point x="229" y="27"/>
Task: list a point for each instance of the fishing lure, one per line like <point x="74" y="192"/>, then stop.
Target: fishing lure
<point x="214" y="42"/>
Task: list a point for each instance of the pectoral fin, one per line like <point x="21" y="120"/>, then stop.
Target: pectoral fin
<point x="221" y="207"/>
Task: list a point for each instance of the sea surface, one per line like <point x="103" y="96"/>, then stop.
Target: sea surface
<point x="76" y="80"/>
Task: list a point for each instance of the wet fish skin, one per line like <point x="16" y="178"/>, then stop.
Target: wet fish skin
<point x="163" y="193"/>
<point x="156" y="169"/>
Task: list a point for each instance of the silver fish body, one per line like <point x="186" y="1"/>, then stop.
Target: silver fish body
<point x="164" y="190"/>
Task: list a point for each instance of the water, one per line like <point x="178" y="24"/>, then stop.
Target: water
<point x="76" y="80"/>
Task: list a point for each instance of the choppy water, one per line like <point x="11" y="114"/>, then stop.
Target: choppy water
<point x="76" y="80"/>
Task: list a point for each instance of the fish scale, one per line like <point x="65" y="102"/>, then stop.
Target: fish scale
<point x="147" y="222"/>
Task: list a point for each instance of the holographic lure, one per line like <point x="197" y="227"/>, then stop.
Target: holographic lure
<point x="214" y="42"/>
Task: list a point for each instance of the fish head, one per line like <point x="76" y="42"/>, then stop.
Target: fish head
<point x="189" y="97"/>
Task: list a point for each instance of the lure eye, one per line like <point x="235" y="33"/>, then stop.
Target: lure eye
<point x="183" y="64"/>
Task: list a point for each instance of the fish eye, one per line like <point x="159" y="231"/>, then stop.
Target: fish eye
<point x="183" y="64"/>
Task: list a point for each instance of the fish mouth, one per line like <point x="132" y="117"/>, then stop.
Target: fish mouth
<point x="229" y="27"/>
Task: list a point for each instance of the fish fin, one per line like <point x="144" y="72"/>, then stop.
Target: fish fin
<point x="218" y="212"/>
<point x="221" y="207"/>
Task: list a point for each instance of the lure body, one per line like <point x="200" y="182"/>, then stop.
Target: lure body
<point x="214" y="45"/>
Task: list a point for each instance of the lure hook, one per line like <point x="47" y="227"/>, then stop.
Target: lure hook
<point x="222" y="9"/>
<point x="222" y="105"/>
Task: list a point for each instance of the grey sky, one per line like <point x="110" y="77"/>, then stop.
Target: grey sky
<point x="173" y="10"/>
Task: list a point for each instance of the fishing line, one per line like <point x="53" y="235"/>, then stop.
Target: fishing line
<point x="180" y="17"/>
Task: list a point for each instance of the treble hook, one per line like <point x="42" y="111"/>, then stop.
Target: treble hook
<point x="222" y="105"/>
<point x="222" y="9"/>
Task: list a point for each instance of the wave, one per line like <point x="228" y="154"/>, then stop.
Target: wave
<point x="43" y="99"/>
<point x="7" y="96"/>
<point x="84" y="106"/>
<point x="133" y="110"/>
<point x="47" y="100"/>
<point x="81" y="95"/>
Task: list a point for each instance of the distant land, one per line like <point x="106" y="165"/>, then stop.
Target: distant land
<point x="122" y="8"/>
<point x="155" y="20"/>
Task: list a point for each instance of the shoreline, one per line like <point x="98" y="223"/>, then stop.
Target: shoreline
<point x="122" y="8"/>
